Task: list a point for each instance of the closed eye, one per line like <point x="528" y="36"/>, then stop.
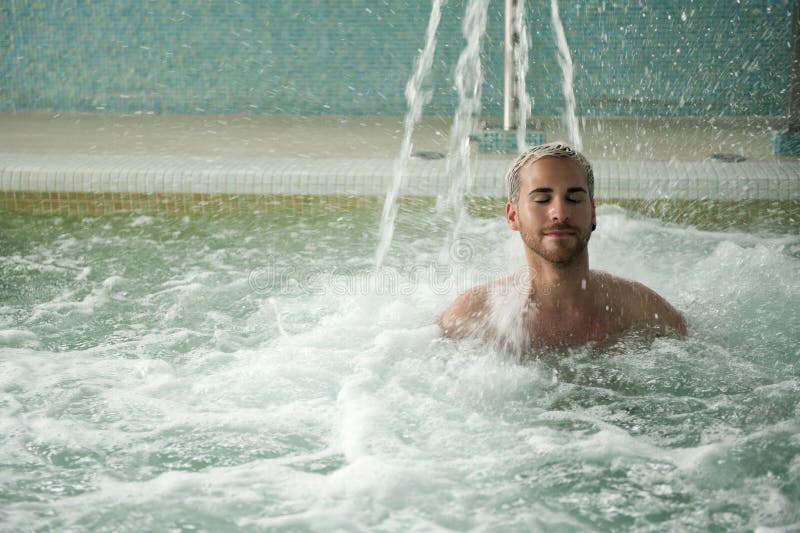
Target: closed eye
<point x="576" y="197"/>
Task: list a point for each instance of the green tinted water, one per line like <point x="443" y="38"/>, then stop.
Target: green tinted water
<point x="249" y="372"/>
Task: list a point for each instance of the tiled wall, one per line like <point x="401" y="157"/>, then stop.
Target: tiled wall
<point x="354" y="56"/>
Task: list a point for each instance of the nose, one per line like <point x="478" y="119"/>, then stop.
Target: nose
<point x="558" y="210"/>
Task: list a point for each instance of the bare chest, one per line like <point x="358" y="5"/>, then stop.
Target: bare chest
<point x="574" y="327"/>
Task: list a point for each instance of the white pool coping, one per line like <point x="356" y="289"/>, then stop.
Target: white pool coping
<point x="164" y="174"/>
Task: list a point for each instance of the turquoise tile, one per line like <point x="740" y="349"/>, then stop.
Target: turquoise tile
<point x="631" y="58"/>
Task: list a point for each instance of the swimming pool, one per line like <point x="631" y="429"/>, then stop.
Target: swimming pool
<point x="253" y="372"/>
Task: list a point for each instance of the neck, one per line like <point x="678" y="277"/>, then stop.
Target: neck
<point x="559" y="283"/>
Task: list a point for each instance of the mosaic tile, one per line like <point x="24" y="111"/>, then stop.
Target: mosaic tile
<point x="354" y="57"/>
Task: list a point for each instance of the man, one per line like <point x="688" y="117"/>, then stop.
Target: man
<point x="558" y="301"/>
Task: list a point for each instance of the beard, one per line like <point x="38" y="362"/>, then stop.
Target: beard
<point x="560" y="252"/>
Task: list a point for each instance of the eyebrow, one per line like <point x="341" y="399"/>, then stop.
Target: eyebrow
<point x="550" y="190"/>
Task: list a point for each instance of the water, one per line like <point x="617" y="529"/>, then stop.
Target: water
<point x="524" y="101"/>
<point x="468" y="76"/>
<point x="468" y="85"/>
<point x="415" y="99"/>
<point x="567" y="76"/>
<point x="253" y="372"/>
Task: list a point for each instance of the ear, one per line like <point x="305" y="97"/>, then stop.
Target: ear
<point x="594" y="216"/>
<point x="512" y="216"/>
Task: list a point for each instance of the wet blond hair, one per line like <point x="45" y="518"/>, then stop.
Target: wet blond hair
<point x="554" y="149"/>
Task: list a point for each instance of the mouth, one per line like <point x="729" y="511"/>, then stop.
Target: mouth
<point x="560" y="233"/>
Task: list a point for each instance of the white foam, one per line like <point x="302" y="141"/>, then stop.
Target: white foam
<point x="18" y="337"/>
<point x="142" y="220"/>
<point x="65" y="302"/>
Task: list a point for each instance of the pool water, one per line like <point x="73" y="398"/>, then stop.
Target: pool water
<point x="252" y="372"/>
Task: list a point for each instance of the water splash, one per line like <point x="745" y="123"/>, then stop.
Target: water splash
<point x="416" y="99"/>
<point x="278" y="321"/>
<point x="565" y="61"/>
<point x="468" y="85"/>
<point x="524" y="101"/>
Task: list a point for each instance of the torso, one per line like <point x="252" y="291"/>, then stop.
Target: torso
<point x="576" y="327"/>
<point x="608" y="312"/>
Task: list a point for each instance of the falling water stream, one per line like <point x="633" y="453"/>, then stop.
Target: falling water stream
<point x="565" y="61"/>
<point x="415" y="98"/>
<point x="468" y="85"/>
<point x="524" y="102"/>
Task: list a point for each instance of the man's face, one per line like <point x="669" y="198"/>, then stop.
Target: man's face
<point x="554" y="214"/>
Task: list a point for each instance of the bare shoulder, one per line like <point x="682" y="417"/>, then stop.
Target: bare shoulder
<point x="468" y="315"/>
<point x="643" y="305"/>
